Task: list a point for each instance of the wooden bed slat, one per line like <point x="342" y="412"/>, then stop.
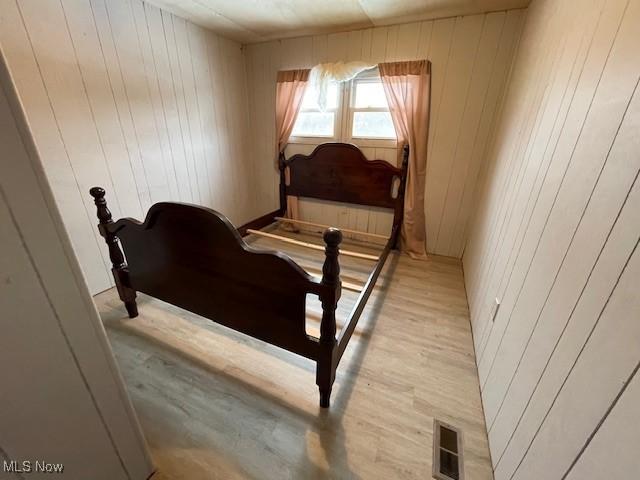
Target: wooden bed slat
<point x="313" y="246"/>
<point x="350" y="286"/>
<point x="343" y="230"/>
<point x="354" y="287"/>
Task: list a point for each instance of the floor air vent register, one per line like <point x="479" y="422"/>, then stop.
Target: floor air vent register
<point x="447" y="452"/>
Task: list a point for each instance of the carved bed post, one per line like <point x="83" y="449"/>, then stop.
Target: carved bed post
<point x="398" y="214"/>
<point x="119" y="270"/>
<point x="325" y="369"/>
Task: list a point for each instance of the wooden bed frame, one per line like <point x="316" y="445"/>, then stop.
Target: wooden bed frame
<point x="194" y="258"/>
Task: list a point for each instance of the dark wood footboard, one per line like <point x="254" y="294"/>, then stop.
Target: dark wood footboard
<point x="194" y="258"/>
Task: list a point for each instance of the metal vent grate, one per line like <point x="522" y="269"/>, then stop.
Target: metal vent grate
<point x="447" y="452"/>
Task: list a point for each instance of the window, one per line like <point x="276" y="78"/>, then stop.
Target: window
<point x="369" y="112"/>
<point x="357" y="111"/>
<point x="312" y="122"/>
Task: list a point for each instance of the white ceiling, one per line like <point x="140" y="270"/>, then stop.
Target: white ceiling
<point x="250" y="21"/>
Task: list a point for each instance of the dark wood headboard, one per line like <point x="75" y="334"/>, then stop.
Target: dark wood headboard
<point x="340" y="172"/>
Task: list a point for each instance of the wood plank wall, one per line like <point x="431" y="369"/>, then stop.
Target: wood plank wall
<point x="555" y="239"/>
<point x="63" y="400"/>
<point x="121" y="94"/>
<point x="470" y="57"/>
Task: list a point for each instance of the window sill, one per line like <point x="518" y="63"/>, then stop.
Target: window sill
<point x="360" y="142"/>
<point x="311" y="140"/>
<point x="374" y="142"/>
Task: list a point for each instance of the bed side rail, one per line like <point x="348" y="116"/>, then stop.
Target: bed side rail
<point x="356" y="312"/>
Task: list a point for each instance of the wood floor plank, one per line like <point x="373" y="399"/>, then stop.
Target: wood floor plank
<point x="217" y="404"/>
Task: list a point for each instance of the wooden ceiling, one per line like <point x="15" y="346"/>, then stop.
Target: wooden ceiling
<point x="250" y="21"/>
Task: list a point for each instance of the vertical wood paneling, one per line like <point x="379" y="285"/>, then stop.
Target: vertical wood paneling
<point x="564" y="82"/>
<point x="234" y="95"/>
<point x="25" y="70"/>
<point x="607" y="206"/>
<point x="122" y="28"/>
<point x="491" y="102"/>
<point x="117" y="83"/>
<point x="547" y="363"/>
<point x="153" y="86"/>
<point x="476" y="95"/>
<point x="379" y="40"/>
<point x="614" y="339"/>
<point x="511" y="200"/>
<point x="67" y="401"/>
<point x="605" y="201"/>
<point x="555" y="239"/>
<point x="167" y="92"/>
<point x="187" y="167"/>
<point x="470" y="59"/>
<point x="258" y="61"/>
<point x="184" y="71"/>
<point x="224" y="179"/>
<point x="548" y="119"/>
<point x="121" y="94"/>
<point x="31" y="339"/>
<point x="64" y="89"/>
<point x="462" y="55"/>
<point x="408" y="37"/>
<point x="95" y="78"/>
<point x="521" y="112"/>
<point x="570" y="199"/>
<point x="560" y="152"/>
<point x="595" y="461"/>
<point x="203" y="92"/>
<point x="439" y="56"/>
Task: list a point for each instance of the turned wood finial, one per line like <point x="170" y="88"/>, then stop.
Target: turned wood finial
<point x="104" y="215"/>
<point x="103" y="212"/>
<point x="331" y="268"/>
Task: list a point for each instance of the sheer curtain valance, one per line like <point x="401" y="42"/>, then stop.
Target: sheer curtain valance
<point x="325" y="73"/>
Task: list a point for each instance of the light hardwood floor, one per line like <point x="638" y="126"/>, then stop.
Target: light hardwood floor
<point x="216" y="404"/>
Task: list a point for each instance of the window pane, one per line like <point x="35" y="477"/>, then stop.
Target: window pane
<point x="310" y="100"/>
<point x="314" y="124"/>
<point x="370" y="95"/>
<point x="373" y="125"/>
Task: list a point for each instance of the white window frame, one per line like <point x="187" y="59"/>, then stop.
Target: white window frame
<point x="368" y="76"/>
<point x="343" y="125"/>
<point x="337" y="124"/>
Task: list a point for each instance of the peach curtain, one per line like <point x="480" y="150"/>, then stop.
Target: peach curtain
<point x="407" y="87"/>
<point x="290" y="87"/>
